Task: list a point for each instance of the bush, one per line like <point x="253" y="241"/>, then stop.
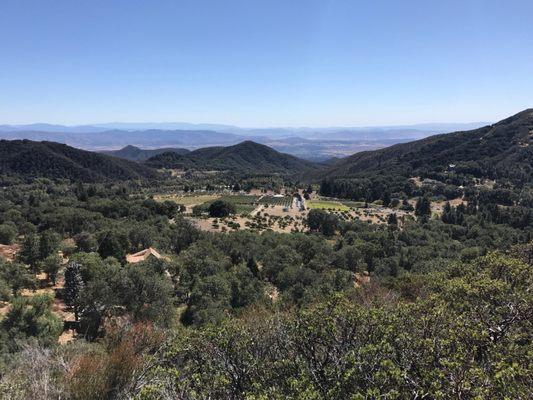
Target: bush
<point x="7" y="234"/>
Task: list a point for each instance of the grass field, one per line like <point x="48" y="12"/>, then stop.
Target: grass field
<point x="327" y="204"/>
<point x="353" y="204"/>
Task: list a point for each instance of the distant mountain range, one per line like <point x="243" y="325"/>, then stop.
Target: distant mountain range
<point x="116" y="139"/>
<point x="392" y="132"/>
<point x="248" y="157"/>
<point x="134" y="153"/>
<point x="315" y="144"/>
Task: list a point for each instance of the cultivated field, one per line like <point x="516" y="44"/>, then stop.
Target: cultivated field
<point x="284" y="201"/>
<point x="188" y="199"/>
<point x="259" y="211"/>
<point x="327" y="205"/>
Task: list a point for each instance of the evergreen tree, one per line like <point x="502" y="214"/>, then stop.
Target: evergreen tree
<point x="30" y="252"/>
<point x="447" y="214"/>
<point x="51" y="265"/>
<point x="74" y="286"/>
<point x="392" y="219"/>
<point x="31" y="319"/>
<point x="423" y="207"/>
<point x="386" y="199"/>
<point x="8" y="233"/>
<point x="113" y="245"/>
<point x="16" y="276"/>
<point x="48" y="244"/>
<point x="252" y="266"/>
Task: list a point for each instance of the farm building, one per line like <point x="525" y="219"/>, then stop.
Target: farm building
<point x="143" y="255"/>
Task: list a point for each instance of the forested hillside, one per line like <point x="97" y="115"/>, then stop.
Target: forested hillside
<point x="243" y="157"/>
<point x="25" y="160"/>
<point x="501" y="152"/>
<point x="134" y="153"/>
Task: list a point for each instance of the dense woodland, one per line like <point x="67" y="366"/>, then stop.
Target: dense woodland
<point x="437" y="306"/>
<point x="25" y="160"/>
<point x="500" y="152"/>
<point x="134" y="153"/>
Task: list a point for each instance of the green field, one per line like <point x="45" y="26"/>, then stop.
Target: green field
<point x="353" y="204"/>
<point x="284" y="201"/>
<point x="327" y="204"/>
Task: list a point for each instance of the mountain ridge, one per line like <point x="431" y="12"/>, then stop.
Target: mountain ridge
<point x="246" y="156"/>
<point x="26" y="160"/>
<point x="134" y="153"/>
<point x="492" y="149"/>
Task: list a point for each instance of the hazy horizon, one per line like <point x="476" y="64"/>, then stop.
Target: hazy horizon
<point x="237" y="126"/>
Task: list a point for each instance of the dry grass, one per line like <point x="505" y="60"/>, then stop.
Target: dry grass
<point x="9" y="251"/>
<point x="206" y="224"/>
<point x="438" y="206"/>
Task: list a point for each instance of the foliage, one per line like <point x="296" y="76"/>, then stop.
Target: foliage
<point x="51" y="266"/>
<point x="220" y="208"/>
<point x="354" y="349"/>
<point x="74" y="286"/>
<point x="16" y="276"/>
<point x="8" y="233"/>
<point x="322" y="221"/>
<point x="30" y="251"/>
<point x="423" y="207"/>
<point x="30" y="319"/>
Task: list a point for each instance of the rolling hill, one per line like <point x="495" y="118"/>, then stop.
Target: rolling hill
<point x="500" y="150"/>
<point x="248" y="156"/>
<point x="134" y="153"/>
<point x="25" y="160"/>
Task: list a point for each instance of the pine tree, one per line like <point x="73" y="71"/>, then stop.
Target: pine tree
<point x="252" y="266"/>
<point x="386" y="199"/>
<point x="423" y="207"/>
<point x="29" y="253"/>
<point x="74" y="286"/>
<point x="447" y="214"/>
<point x="48" y="244"/>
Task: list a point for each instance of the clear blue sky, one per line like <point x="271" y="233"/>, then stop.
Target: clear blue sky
<point x="265" y="63"/>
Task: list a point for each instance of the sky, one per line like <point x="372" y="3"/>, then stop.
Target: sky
<point x="265" y="63"/>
